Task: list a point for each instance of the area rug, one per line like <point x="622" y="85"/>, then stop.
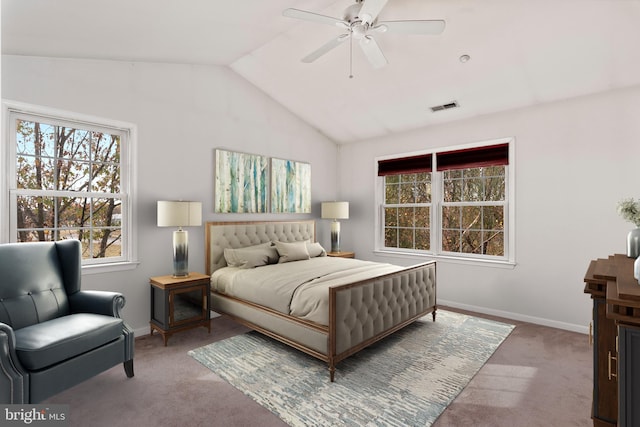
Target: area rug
<point x="407" y="379"/>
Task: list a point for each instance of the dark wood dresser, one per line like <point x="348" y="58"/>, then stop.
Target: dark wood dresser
<point x="615" y="334"/>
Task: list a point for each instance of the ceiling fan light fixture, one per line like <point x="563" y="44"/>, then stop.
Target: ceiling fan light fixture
<point x="359" y="31"/>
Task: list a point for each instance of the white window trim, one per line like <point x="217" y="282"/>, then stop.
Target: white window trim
<point x="508" y="261"/>
<point x="128" y="153"/>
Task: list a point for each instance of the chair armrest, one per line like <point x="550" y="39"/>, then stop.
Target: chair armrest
<point x="98" y="302"/>
<point x="14" y="381"/>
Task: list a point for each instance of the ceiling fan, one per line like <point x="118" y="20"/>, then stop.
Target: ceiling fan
<point x="359" y="22"/>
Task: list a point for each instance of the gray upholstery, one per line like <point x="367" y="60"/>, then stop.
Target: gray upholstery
<point x="239" y="235"/>
<point x="364" y="312"/>
<point x="369" y="310"/>
<point x="52" y="334"/>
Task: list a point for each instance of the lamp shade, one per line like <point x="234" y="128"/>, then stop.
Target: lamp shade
<point x="179" y="214"/>
<point x="335" y="210"/>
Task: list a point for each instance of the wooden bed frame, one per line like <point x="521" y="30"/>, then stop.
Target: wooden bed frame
<point x="360" y="313"/>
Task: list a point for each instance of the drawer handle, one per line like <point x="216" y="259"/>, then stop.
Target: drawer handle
<point x="610" y="358"/>
<point x="590" y="334"/>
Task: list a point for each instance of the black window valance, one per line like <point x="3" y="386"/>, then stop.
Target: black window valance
<point x="413" y="164"/>
<point x="477" y="157"/>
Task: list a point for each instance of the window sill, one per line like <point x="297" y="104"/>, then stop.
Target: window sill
<point x="450" y="259"/>
<point x="109" y="268"/>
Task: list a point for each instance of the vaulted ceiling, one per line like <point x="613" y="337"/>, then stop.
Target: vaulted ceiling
<point x="521" y="52"/>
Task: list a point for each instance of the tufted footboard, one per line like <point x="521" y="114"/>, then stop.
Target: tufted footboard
<point x="364" y="312"/>
<point x="360" y="313"/>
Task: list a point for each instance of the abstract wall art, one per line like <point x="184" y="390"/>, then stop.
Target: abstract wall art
<point x="241" y="182"/>
<point x="290" y="186"/>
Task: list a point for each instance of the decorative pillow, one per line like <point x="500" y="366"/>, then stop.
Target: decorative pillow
<point x="295" y="251"/>
<point x="251" y="256"/>
<point x="315" y="249"/>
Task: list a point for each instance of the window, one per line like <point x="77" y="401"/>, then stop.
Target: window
<point x="451" y="203"/>
<point x="70" y="179"/>
<point x="407" y="202"/>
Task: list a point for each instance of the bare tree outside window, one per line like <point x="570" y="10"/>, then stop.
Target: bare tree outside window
<point x="473" y="210"/>
<point x="407" y="211"/>
<point x="451" y="203"/>
<point x="68" y="185"/>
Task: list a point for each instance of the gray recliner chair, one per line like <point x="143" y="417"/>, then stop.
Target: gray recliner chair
<point x="52" y="334"/>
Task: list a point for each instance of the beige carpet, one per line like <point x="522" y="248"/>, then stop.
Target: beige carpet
<point x="538" y="377"/>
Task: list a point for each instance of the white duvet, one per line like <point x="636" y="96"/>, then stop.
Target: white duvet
<point x="298" y="288"/>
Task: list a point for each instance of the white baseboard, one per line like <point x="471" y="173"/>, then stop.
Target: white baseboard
<point x="583" y="329"/>
<point x="506" y="314"/>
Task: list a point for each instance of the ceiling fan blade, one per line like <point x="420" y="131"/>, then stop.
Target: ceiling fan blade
<point x="310" y="16"/>
<point x="412" y="27"/>
<point x="373" y="52"/>
<point x="370" y="10"/>
<point x="325" y="48"/>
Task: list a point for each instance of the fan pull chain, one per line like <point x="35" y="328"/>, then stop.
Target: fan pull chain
<point x="351" y="56"/>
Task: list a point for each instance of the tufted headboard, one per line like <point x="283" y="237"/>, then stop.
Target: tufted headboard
<point x="221" y="235"/>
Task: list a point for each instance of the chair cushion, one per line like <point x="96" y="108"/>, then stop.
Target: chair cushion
<point x="44" y="344"/>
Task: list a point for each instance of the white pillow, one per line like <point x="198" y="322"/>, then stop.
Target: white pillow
<point x="315" y="249"/>
<point x="296" y="251"/>
<point x="251" y="256"/>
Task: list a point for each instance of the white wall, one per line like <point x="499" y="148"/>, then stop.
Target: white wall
<point x="574" y="161"/>
<point x="182" y="113"/>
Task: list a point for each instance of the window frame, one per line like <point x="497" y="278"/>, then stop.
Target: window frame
<point x="437" y="203"/>
<point x="11" y="111"/>
<point x="414" y="205"/>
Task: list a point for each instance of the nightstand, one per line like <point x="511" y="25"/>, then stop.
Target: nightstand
<point x="179" y="303"/>
<point x="342" y="254"/>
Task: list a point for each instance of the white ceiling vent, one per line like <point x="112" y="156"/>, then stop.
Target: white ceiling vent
<point x="450" y="105"/>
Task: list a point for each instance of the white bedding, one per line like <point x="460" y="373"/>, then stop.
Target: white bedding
<point x="297" y="288"/>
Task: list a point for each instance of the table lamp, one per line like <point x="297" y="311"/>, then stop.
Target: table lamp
<point x="180" y="214"/>
<point x="335" y="211"/>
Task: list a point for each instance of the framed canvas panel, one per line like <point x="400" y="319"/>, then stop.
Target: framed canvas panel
<point x="290" y="186"/>
<point x="242" y="182"/>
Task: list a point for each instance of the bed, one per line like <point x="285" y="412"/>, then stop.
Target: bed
<point x="336" y="312"/>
